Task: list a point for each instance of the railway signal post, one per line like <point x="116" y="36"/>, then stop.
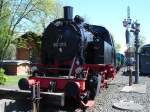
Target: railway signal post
<point x="136" y="29"/>
<point x="127" y="25"/>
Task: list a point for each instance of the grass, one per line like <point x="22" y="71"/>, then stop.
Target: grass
<point x="13" y="80"/>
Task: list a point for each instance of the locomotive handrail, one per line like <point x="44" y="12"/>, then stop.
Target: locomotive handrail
<point x="50" y="68"/>
<point x="86" y="72"/>
<point x="70" y="71"/>
<point x="145" y="54"/>
<point x="74" y="25"/>
<point x="65" y="69"/>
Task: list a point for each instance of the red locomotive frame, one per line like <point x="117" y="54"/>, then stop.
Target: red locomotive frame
<point x="58" y="84"/>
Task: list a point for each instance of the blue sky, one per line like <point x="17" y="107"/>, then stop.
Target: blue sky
<point x="111" y="13"/>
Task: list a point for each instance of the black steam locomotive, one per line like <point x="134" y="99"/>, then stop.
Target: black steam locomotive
<point x="66" y="38"/>
<point x="77" y="58"/>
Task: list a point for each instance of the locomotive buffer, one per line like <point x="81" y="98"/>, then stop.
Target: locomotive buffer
<point x="53" y="98"/>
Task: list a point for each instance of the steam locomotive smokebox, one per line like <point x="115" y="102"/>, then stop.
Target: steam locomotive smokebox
<point x="68" y="12"/>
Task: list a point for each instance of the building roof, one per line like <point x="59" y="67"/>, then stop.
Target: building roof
<point x="15" y="62"/>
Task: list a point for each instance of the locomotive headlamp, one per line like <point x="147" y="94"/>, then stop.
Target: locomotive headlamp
<point x="77" y="62"/>
<point x="60" y="50"/>
<point x="97" y="40"/>
<point x="78" y="70"/>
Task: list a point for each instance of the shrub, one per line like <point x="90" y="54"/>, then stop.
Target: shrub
<point x="2" y="76"/>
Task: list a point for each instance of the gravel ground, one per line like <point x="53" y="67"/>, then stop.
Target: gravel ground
<point x="105" y="100"/>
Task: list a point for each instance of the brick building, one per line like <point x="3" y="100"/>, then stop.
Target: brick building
<point x="16" y="67"/>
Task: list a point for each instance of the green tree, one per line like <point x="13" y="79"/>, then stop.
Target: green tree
<point x="2" y="76"/>
<point x="20" y="16"/>
<point x="4" y="10"/>
<point x="117" y="46"/>
<point x="29" y="39"/>
<point x="25" y="14"/>
<point x="44" y="17"/>
<point x="32" y="41"/>
<point x="142" y="40"/>
<point x="5" y="39"/>
<point x="4" y="17"/>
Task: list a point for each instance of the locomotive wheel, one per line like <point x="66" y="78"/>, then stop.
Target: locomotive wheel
<point x="72" y="94"/>
<point x="23" y="84"/>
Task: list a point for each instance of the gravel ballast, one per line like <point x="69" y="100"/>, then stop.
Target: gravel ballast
<point x="105" y="101"/>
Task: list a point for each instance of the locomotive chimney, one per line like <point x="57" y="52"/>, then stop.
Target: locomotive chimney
<point x="68" y="12"/>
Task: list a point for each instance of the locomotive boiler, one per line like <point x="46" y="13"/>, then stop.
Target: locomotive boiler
<point x="77" y="59"/>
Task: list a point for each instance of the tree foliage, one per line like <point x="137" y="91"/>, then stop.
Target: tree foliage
<point x="43" y="18"/>
<point x="32" y="41"/>
<point x="29" y="39"/>
<point x="26" y="13"/>
<point x="4" y="17"/>
<point x="5" y="39"/>
<point x="22" y="15"/>
<point x="4" y="11"/>
<point x="117" y="46"/>
<point x="142" y="40"/>
<point x="2" y="76"/>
